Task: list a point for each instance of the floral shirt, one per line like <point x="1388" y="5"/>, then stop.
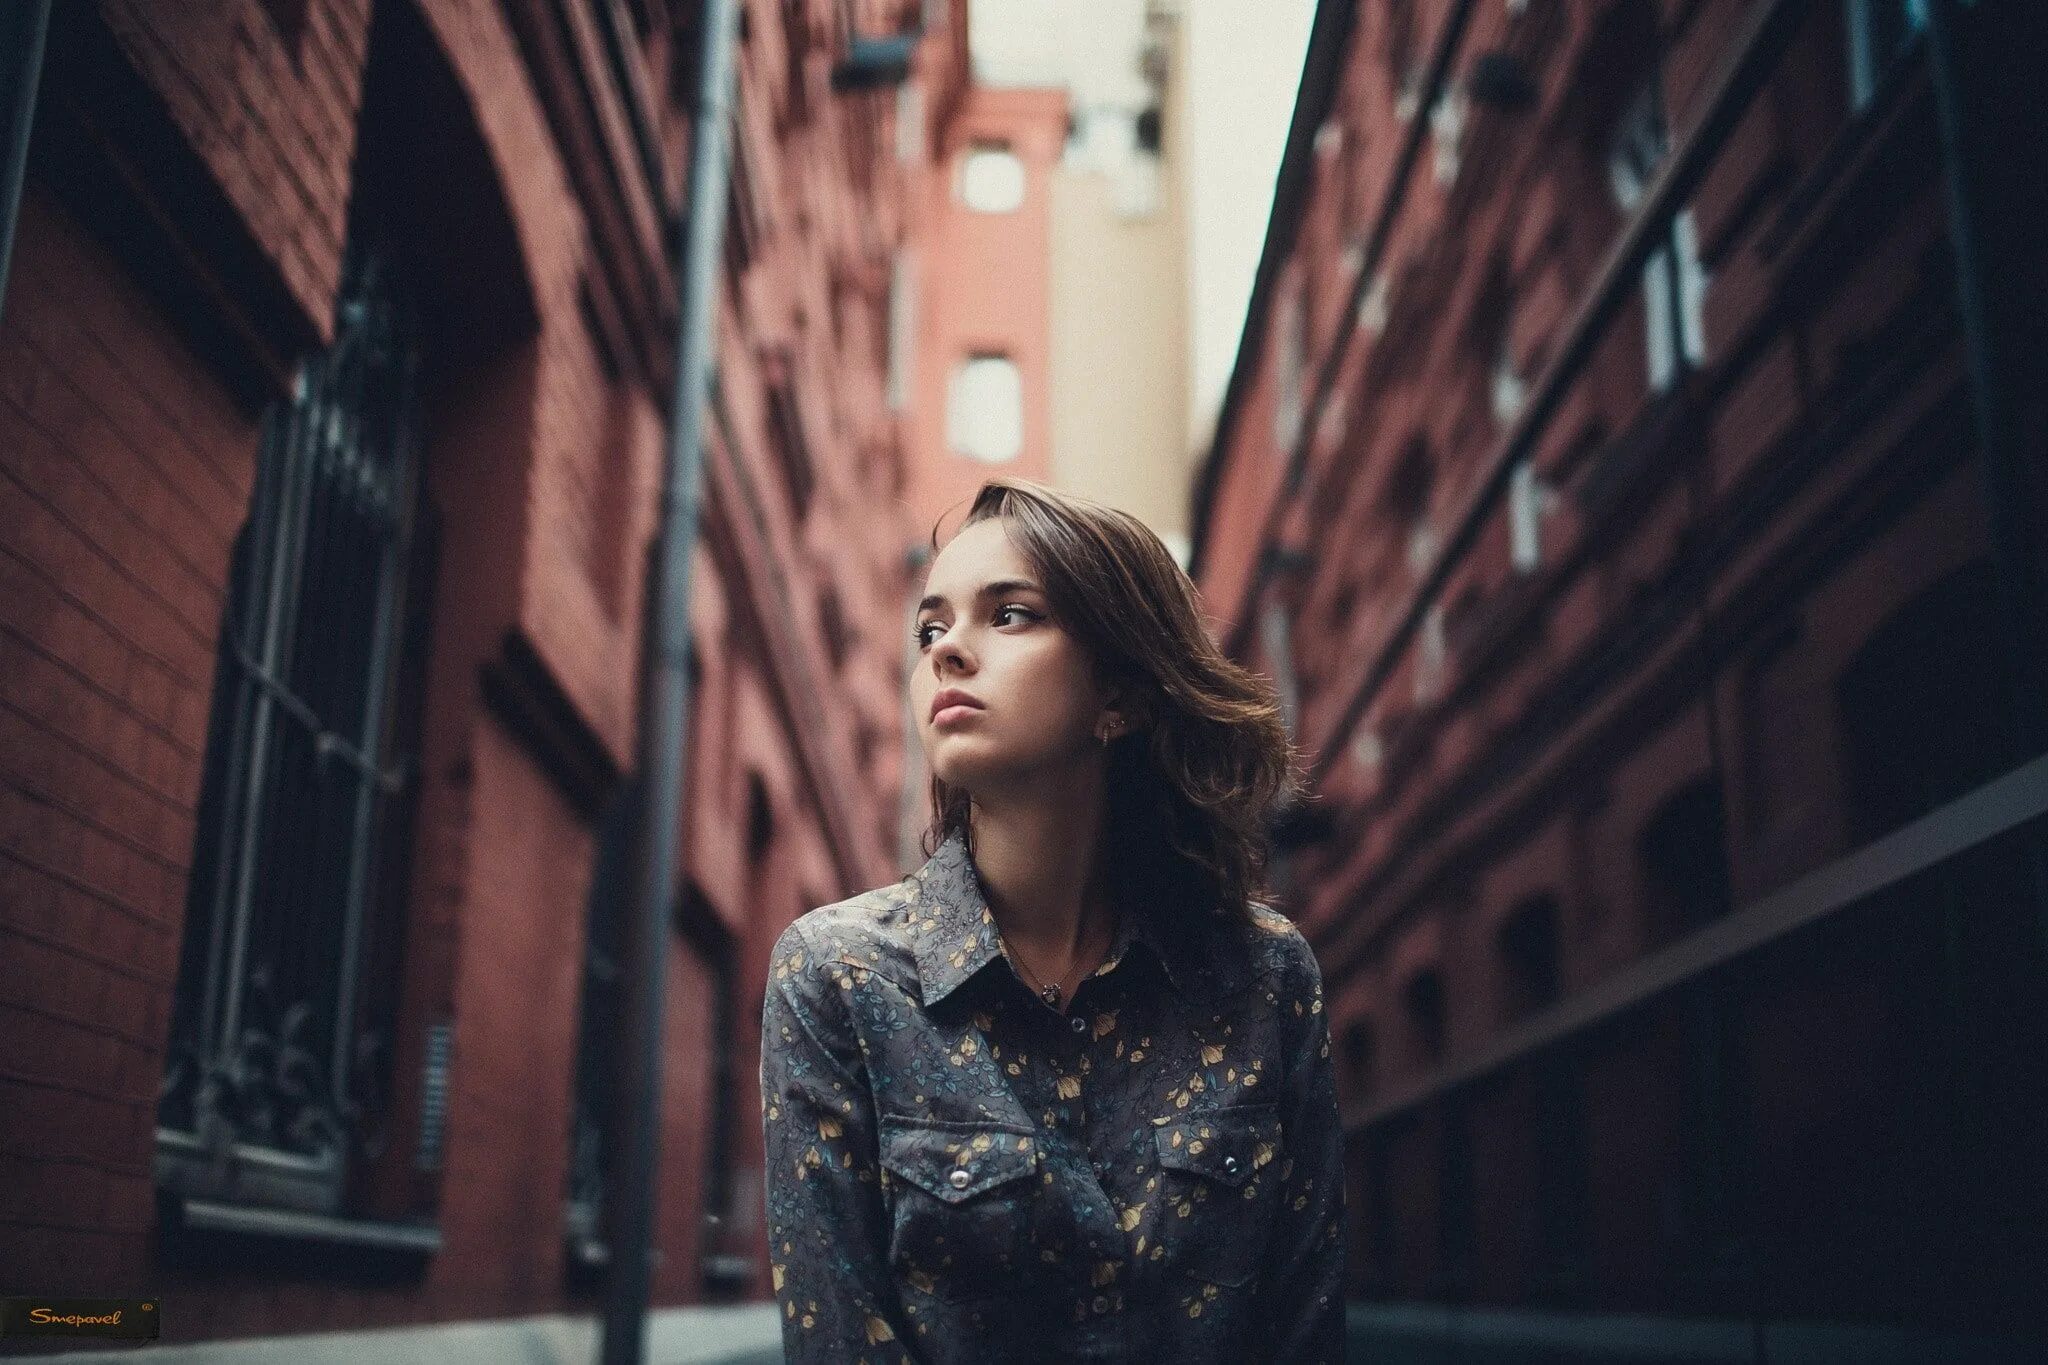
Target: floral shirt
<point x="957" y="1171"/>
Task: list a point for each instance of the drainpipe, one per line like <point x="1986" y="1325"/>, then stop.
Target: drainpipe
<point x="665" y="694"/>
<point x="2013" y="482"/>
<point x="2013" y="489"/>
<point x="22" y="30"/>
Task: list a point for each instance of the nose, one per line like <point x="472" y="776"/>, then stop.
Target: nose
<point x="947" y="650"/>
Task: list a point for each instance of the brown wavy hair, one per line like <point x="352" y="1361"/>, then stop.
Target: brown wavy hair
<point x="1195" y="779"/>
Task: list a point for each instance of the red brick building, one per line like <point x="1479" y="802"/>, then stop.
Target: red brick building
<point x="1636" y="491"/>
<point x="334" y="373"/>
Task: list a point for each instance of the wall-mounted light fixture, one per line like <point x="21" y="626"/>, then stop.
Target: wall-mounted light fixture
<point x="875" y="63"/>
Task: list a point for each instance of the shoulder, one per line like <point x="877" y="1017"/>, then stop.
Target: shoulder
<point x="1279" y="952"/>
<point x="863" y="931"/>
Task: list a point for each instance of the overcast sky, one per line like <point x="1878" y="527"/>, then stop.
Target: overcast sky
<point x="1244" y="59"/>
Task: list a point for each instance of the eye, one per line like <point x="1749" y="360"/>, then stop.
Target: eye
<point x="924" y="642"/>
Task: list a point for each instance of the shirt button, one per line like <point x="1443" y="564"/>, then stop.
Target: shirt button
<point x="1080" y="1025"/>
<point x="1101" y="1303"/>
<point x="1230" y="1164"/>
<point x="959" y="1178"/>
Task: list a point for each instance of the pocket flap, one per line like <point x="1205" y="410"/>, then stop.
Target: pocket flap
<point x="956" y="1161"/>
<point x="1224" y="1145"/>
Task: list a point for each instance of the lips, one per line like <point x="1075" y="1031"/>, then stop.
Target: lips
<point x="950" y="697"/>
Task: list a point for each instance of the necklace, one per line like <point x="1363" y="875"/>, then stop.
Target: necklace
<point x="1051" y="992"/>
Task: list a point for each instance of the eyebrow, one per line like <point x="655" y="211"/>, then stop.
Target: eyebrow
<point x="993" y="589"/>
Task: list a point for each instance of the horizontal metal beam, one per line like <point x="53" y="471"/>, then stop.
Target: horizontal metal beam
<point x="1421" y="1331"/>
<point x="2002" y="804"/>
<point x="207" y="1216"/>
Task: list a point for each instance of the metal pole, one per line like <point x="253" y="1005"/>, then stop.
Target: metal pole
<point x="664" y="693"/>
<point x="2016" y="499"/>
<point x="23" y="29"/>
<point x="2013" y="493"/>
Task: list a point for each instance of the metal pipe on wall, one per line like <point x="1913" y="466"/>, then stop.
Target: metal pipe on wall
<point x="23" y="29"/>
<point x="665" y="692"/>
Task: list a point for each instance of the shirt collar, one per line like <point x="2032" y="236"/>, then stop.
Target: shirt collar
<point x="953" y="934"/>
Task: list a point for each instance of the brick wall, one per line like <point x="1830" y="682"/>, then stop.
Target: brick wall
<point x="126" y="470"/>
<point x="129" y="425"/>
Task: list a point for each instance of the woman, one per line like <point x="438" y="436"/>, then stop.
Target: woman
<point x="1065" y="1092"/>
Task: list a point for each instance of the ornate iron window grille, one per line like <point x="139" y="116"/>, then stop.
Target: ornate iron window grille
<point x="276" y="1082"/>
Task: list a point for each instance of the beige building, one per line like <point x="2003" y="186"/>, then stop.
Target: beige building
<point x="1120" y="330"/>
<point x="1096" y="308"/>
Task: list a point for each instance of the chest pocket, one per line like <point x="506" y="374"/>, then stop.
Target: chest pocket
<point x="960" y="1196"/>
<point x="1220" y="1176"/>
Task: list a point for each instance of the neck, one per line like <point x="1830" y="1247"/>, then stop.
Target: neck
<point x="1041" y="869"/>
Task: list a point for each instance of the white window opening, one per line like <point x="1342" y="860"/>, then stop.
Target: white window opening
<point x="1674" y="281"/>
<point x="1291" y="364"/>
<point x="1447" y="133"/>
<point x="1529" y="500"/>
<point x="909" y="122"/>
<point x="1507" y="391"/>
<point x="1880" y="32"/>
<point x="902" y="328"/>
<point x="1421" y="546"/>
<point x="992" y="179"/>
<point x="1274" y="632"/>
<point x="1433" y="655"/>
<point x="985" y="409"/>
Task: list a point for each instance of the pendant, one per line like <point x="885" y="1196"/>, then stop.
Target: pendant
<point x="1051" y="996"/>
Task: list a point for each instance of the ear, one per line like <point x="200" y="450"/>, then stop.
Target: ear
<point x="1126" y="708"/>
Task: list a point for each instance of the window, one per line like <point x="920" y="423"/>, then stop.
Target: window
<point x="909" y="122"/>
<point x="1404" y="69"/>
<point x="1506" y="390"/>
<point x="1674" y="283"/>
<point x="1290" y="364"/>
<point x="1447" y="133"/>
<point x="1423" y="1000"/>
<point x="1372" y="306"/>
<point x="786" y="437"/>
<point x="1433" y="654"/>
<point x="1683" y="854"/>
<point x="1529" y="501"/>
<point x="985" y="409"/>
<point x="281" y="1044"/>
<point x="902" y="328"/>
<point x="1360" y="1059"/>
<point x="1529" y="956"/>
<point x="1275" y="634"/>
<point x="1880" y="32"/>
<point x="991" y="179"/>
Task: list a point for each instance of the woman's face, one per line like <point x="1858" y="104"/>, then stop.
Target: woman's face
<point x="984" y="628"/>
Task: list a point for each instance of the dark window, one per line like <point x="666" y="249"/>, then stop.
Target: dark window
<point x="281" y="1030"/>
<point x="600" y="1039"/>
<point x="838" y="638"/>
<point x="724" y="1235"/>
<point x="786" y="434"/>
<point x="1423" y="999"/>
<point x="1149" y="130"/>
<point x="1529" y="956"/>
<point x="1360" y="1059"/>
<point x="760" y="819"/>
<point x="1926" y="704"/>
<point x="1684" y="855"/>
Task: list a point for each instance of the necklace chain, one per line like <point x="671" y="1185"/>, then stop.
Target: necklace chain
<point x="1050" y="992"/>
